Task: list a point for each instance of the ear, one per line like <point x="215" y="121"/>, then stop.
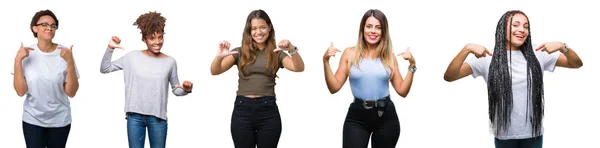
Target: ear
<point x="35" y="29"/>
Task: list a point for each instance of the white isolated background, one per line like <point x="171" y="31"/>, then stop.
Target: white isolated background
<point x="435" y="113"/>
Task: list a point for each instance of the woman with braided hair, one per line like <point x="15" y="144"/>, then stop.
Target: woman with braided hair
<point x="147" y="76"/>
<point x="514" y="77"/>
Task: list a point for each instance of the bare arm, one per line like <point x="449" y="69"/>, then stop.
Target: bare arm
<point x="19" y="82"/>
<point x="335" y="82"/>
<point x="570" y="59"/>
<point x="221" y="64"/>
<point x="224" y="59"/>
<point x="458" y="68"/>
<point x="293" y="63"/>
<point x="72" y="83"/>
<point x="402" y="86"/>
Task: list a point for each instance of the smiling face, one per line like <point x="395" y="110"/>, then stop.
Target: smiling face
<point x="517" y="30"/>
<point x="45" y="28"/>
<point x="154" y="42"/>
<point x="372" y="31"/>
<point x="259" y="30"/>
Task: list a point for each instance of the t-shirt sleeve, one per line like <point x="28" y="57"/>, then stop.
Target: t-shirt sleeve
<point x="547" y="61"/>
<point x="236" y="57"/>
<point x="477" y="66"/>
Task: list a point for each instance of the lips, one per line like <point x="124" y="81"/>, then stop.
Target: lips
<point x="520" y="37"/>
<point x="259" y="37"/>
<point x="156" y="47"/>
<point x="372" y="37"/>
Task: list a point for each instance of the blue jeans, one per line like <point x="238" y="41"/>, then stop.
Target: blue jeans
<point x="136" y="130"/>
<point x="535" y="142"/>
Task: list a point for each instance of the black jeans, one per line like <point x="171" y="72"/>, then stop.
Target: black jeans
<point x="361" y="123"/>
<point x="42" y="137"/>
<point x="535" y="142"/>
<point x="255" y="122"/>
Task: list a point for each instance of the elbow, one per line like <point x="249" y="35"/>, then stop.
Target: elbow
<point x="403" y="95"/>
<point x="103" y="71"/>
<point x="214" y="73"/>
<point x="71" y="94"/>
<point x="301" y="69"/>
<point x="333" y="90"/>
<point x="20" y="94"/>
<point x="449" y="78"/>
<point x="579" y="64"/>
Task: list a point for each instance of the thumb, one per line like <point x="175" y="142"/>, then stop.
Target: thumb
<point x="21" y="45"/>
<point x="407" y="49"/>
<point x="71" y="48"/>
<point x="330" y="44"/>
<point x="278" y="49"/>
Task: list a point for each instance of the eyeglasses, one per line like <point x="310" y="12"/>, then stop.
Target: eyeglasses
<point x="53" y="26"/>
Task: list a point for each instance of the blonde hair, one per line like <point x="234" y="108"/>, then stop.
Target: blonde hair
<point x="384" y="47"/>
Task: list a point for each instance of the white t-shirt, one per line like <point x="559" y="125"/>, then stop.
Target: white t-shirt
<point x="46" y="103"/>
<point x="520" y="127"/>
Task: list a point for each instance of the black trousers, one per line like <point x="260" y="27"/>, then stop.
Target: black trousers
<point x="255" y="122"/>
<point x="42" y="137"/>
<point x="362" y="124"/>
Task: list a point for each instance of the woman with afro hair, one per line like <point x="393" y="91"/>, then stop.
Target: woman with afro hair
<point x="147" y="75"/>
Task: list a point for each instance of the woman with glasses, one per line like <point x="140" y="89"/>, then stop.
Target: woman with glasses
<point x="46" y="74"/>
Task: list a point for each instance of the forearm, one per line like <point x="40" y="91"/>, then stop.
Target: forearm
<point x="19" y="83"/>
<point x="332" y="83"/>
<point x="298" y="62"/>
<point x="106" y="65"/>
<point x="406" y="84"/>
<point x="453" y="70"/>
<point x="72" y="83"/>
<point x="179" y="92"/>
<point x="573" y="58"/>
<point x="215" y="67"/>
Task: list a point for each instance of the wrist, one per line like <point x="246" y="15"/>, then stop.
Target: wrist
<point x="412" y="68"/>
<point x="564" y="48"/>
<point x="293" y="51"/>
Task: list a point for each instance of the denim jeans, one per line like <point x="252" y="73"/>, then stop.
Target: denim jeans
<point x="255" y="122"/>
<point x="42" y="137"/>
<point x="136" y="130"/>
<point x="535" y="142"/>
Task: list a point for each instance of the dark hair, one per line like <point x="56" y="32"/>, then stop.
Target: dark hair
<point x="500" y="80"/>
<point x="249" y="47"/>
<point x="149" y="23"/>
<point x="37" y="17"/>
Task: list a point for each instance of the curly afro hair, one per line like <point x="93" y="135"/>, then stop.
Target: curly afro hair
<point x="150" y="23"/>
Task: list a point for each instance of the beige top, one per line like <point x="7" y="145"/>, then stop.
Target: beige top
<point x="260" y="80"/>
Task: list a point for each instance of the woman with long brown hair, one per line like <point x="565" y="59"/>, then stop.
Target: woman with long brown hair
<point x="255" y="119"/>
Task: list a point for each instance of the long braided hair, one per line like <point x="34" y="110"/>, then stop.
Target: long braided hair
<point x="500" y="80"/>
